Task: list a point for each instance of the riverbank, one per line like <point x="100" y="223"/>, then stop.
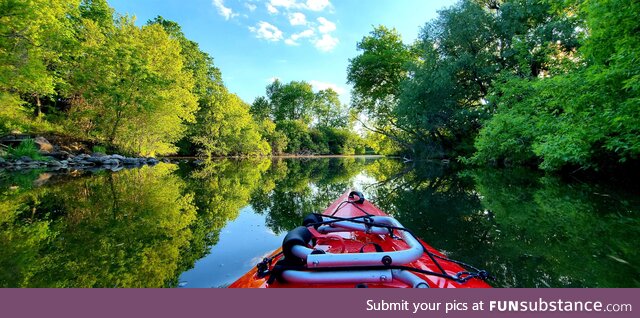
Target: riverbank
<point x="66" y="161"/>
<point x="25" y="152"/>
<point x="65" y="154"/>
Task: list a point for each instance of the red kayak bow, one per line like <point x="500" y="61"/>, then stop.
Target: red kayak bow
<point x="354" y="244"/>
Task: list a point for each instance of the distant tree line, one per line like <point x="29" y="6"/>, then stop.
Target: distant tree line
<point x="296" y="120"/>
<point x="553" y="84"/>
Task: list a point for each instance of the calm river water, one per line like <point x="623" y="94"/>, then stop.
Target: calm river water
<point x="204" y="226"/>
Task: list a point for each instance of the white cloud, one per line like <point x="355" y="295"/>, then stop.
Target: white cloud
<point x="297" y="19"/>
<point x="326" y="26"/>
<point x="267" y="31"/>
<point x="326" y="43"/>
<point x="272" y="79"/>
<point x="288" y="4"/>
<point x="313" y="5"/>
<point x="226" y="12"/>
<point x="292" y="40"/>
<point x="252" y="7"/>
<point x="271" y="9"/>
<point x="318" y="86"/>
<point x="304" y="34"/>
<point x="317" y="5"/>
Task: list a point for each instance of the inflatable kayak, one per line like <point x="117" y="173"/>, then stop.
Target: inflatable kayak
<point x="354" y="244"/>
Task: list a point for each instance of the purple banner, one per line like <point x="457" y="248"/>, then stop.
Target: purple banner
<point x="319" y="303"/>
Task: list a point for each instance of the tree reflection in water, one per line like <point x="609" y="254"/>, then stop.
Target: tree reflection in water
<point x="145" y="227"/>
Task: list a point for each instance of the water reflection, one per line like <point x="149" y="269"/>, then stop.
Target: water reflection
<point x="203" y="226"/>
<point x="126" y="229"/>
<point x="527" y="229"/>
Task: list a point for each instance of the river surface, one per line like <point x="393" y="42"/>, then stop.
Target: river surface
<point x="193" y="225"/>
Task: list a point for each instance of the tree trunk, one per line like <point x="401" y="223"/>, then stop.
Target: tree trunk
<point x="112" y="135"/>
<point x="38" y="110"/>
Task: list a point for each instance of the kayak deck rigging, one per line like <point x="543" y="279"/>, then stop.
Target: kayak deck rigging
<point x="354" y="244"/>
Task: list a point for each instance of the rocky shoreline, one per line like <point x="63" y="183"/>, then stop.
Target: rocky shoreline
<point x="66" y="161"/>
<point x="66" y="156"/>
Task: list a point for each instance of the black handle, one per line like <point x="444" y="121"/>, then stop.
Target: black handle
<point x="359" y="194"/>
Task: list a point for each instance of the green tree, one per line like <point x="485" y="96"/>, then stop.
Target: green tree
<point x="297" y="134"/>
<point x="443" y="100"/>
<point x="227" y="128"/>
<point x="261" y="109"/>
<point x="276" y="139"/>
<point x="329" y="111"/>
<point x="35" y="37"/>
<point x="582" y="118"/>
<point x="132" y="89"/>
<point x="292" y="101"/>
<point x="376" y="75"/>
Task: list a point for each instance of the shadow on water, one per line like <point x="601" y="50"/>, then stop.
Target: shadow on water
<point x="528" y="230"/>
<point x="204" y="226"/>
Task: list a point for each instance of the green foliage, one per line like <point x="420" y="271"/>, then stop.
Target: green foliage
<point x="276" y="139"/>
<point x="35" y="36"/>
<point x="292" y="101"/>
<point x="376" y="75"/>
<point x="223" y="125"/>
<point x="261" y="109"/>
<point x="26" y="148"/>
<point x="72" y="68"/>
<point x="136" y="222"/>
<point x="297" y="134"/>
<point x="526" y="229"/>
<point x="296" y="188"/>
<point x="586" y="118"/>
<point x="341" y="141"/>
<point x="134" y="82"/>
<point x="13" y="116"/>
<point x="99" y="149"/>
<point x="328" y="111"/>
<point x="295" y="120"/>
<point x="227" y="129"/>
<point x="442" y="102"/>
<point x="432" y="98"/>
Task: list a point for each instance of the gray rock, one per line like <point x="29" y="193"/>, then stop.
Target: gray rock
<point x="2" y="161"/>
<point x="25" y="159"/>
<point x="97" y="159"/>
<point x="131" y="161"/>
<point x="54" y="163"/>
<point x="111" y="162"/>
<point x="60" y="155"/>
<point x="119" y="157"/>
<point x="98" y="154"/>
<point x="117" y="168"/>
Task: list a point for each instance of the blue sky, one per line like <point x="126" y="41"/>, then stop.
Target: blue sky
<point x="255" y="41"/>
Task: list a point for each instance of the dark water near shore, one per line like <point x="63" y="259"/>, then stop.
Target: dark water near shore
<point x="204" y="226"/>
